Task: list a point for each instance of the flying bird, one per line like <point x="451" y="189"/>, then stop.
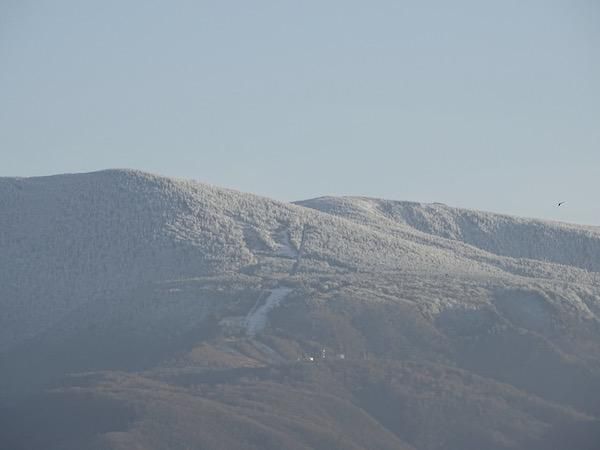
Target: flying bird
<point x="561" y="203"/>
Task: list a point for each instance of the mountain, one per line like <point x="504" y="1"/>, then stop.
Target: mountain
<point x="139" y="311"/>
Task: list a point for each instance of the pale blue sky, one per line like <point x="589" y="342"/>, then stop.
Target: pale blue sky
<point x="483" y="104"/>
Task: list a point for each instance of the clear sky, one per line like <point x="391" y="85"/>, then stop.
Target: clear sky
<point x="489" y="105"/>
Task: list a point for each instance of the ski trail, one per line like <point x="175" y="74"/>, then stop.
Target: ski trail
<point x="256" y="320"/>
<point x="285" y="247"/>
<point x="300" y="251"/>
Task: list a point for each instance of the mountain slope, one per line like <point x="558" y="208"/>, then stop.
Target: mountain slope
<point x="177" y="302"/>
<point x="502" y="235"/>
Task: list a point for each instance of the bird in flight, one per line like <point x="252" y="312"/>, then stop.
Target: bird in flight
<point x="561" y="203"/>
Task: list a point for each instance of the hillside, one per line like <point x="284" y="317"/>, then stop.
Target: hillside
<point x="502" y="235"/>
<point x="167" y="313"/>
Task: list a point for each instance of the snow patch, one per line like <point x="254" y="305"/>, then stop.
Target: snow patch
<point x="256" y="320"/>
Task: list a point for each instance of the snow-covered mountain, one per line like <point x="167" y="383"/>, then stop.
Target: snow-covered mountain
<point x="69" y="240"/>
<point x="556" y="242"/>
<point x="164" y="313"/>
